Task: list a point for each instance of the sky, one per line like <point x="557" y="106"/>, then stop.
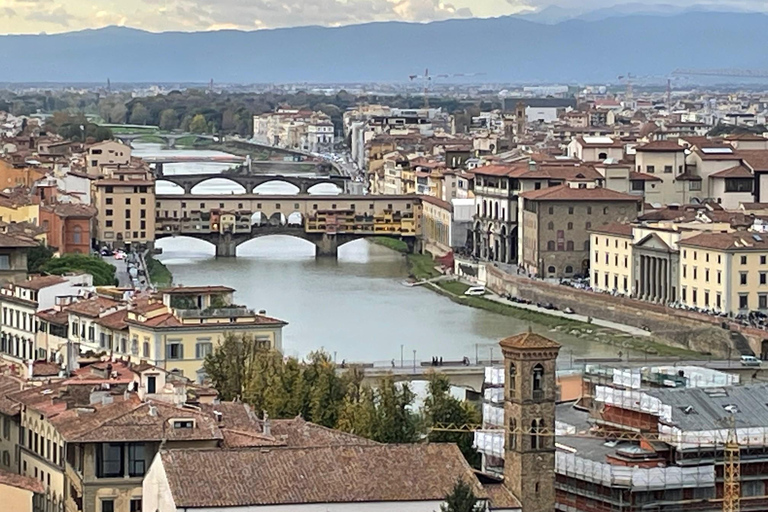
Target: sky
<point x="51" y="16"/>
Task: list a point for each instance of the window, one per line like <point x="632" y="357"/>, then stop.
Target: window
<point x="694" y="185"/>
<point x="668" y="169"/>
<point x="202" y="349"/>
<point x="551" y="269"/>
<point x="107" y="505"/>
<point x="109" y="460"/>
<point x="743" y="301"/>
<point x="136" y="460"/>
<point x="763" y="277"/>
<point x="650" y="169"/>
<point x="738" y="184"/>
<point x="570" y="210"/>
<point x="183" y="424"/>
<point x="605" y="211"/>
<point x="695" y="272"/>
<point x="743" y="260"/>
<point x="551" y="210"/>
<point x="706" y="275"/>
<point x="551" y="226"/>
<point x="762" y="301"/>
<point x="551" y="245"/>
<point x="135" y="505"/>
<point x="77" y="235"/>
<point x="174" y="351"/>
<point x="144" y="201"/>
<point x="535" y="437"/>
<point x="108" y="223"/>
<point x="569" y="245"/>
<point x="743" y="277"/>
<point x="512" y="434"/>
<point x="588" y="225"/>
<point x="512" y="376"/>
<point x="589" y="210"/>
<point x="538" y="378"/>
<point x="127" y="200"/>
<point x="570" y="225"/>
<point x="145" y="348"/>
<point x="108" y="212"/>
<point x="569" y="268"/>
<point x="719" y="277"/>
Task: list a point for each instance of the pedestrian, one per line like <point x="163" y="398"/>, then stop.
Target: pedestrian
<point x="393" y="363"/>
<point x="441" y="361"/>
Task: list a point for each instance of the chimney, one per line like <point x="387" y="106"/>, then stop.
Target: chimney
<point x="153" y="411"/>
<point x="267" y="429"/>
<point x="262" y="311"/>
<point x="218" y="415"/>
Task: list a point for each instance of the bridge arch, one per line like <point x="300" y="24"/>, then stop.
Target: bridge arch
<point x="326" y="188"/>
<point x="168" y="187"/>
<point x="277" y="186"/>
<point x="219" y="186"/>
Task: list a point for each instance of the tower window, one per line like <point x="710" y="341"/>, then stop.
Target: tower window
<point x="512" y="375"/>
<point x="512" y="434"/>
<point x="538" y="378"/>
<point x="536" y="441"/>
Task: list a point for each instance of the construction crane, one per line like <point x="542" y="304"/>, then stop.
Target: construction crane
<point x="427" y="79"/>
<point x="735" y="73"/>
<point x="732" y="462"/>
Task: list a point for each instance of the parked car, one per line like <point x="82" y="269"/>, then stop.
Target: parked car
<point x="475" y="291"/>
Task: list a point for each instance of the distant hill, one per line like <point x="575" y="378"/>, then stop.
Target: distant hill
<point x="506" y="49"/>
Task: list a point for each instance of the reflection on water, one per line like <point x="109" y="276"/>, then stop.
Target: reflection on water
<point x="354" y="307"/>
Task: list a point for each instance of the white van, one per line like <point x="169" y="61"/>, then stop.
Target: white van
<point x="475" y="291"/>
<point x="750" y="361"/>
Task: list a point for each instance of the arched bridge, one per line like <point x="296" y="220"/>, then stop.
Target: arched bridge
<point x="251" y="182"/>
<point x="170" y="139"/>
<point x="327" y="221"/>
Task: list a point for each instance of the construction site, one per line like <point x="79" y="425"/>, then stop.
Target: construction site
<point x="639" y="439"/>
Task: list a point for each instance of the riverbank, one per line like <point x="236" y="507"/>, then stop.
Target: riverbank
<point x="159" y="275"/>
<point x="422" y="266"/>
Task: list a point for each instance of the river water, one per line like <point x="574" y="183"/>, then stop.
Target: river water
<point x="355" y="307"/>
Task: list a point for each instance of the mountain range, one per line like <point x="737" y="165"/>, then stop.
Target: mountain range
<point x="505" y="49"/>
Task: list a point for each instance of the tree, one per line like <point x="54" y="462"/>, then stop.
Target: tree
<point x="103" y="273"/>
<point x="139" y="114"/>
<point x="198" y="124"/>
<point x="230" y="366"/>
<point x="395" y="422"/>
<point x="441" y="407"/>
<point x="37" y="257"/>
<point x="461" y="499"/>
<point x="168" y="119"/>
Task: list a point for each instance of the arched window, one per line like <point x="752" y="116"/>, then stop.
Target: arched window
<point x="570" y="225"/>
<point x="602" y="156"/>
<point x="551" y="245"/>
<point x="512" y="376"/>
<point x="46" y="225"/>
<point x="605" y="211"/>
<point x="588" y="225"/>
<point x="538" y="378"/>
<point x="535" y="437"/>
<point x="569" y="245"/>
<point x="569" y="269"/>
<point x="512" y="434"/>
<point x="77" y="235"/>
<point x="485" y="208"/>
<point x="551" y="226"/>
<point x="551" y="269"/>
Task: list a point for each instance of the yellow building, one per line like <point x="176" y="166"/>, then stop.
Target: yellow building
<point x="177" y="333"/>
<point x="16" y="208"/>
<point x="20" y="493"/>
<point x="436" y="216"/>
<point x="125" y="201"/>
<point x="611" y="266"/>
<point x="726" y="272"/>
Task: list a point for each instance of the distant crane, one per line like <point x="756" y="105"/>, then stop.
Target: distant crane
<point x="427" y="79"/>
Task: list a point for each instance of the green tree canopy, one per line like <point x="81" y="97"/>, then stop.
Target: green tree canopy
<point x="198" y="124"/>
<point x="103" y="273"/>
<point x="37" y="257"/>
<point x="169" y="120"/>
<point x="461" y="499"/>
<point x="139" y="114"/>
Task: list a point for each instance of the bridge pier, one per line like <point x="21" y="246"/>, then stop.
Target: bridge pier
<point x="226" y="247"/>
<point x="327" y="246"/>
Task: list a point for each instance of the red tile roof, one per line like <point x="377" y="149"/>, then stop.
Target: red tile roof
<point x="92" y="307"/>
<point x="662" y="146"/>
<point x="568" y="193"/>
<point x="739" y="241"/>
<point x="114" y="321"/>
<point x="757" y="159"/>
<point x="643" y="176"/>
<point x="614" y="228"/>
<point x="39" y="282"/>
<point x="529" y="340"/>
<point x="293" y="476"/>
<point x="733" y="172"/>
<point x="21" y="482"/>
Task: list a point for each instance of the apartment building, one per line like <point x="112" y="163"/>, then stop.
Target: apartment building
<point x="595" y="149"/>
<point x="725" y="272"/>
<point x="109" y="152"/>
<point x="125" y="201"/>
<point x="664" y="160"/>
<point x="556" y="223"/>
<point x="612" y="261"/>
<point x="296" y="129"/>
<point x="68" y="227"/>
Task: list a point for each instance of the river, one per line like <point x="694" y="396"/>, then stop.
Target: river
<point x="355" y="307"/>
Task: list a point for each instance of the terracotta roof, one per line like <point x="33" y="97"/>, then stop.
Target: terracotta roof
<point x="757" y="159"/>
<point x="16" y="241"/>
<point x="92" y="307"/>
<point x="164" y="320"/>
<point x="643" y="176"/>
<point x="54" y="316"/>
<point x="500" y="497"/>
<point x="589" y="144"/>
<point x="664" y="146"/>
<point x="497" y="170"/>
<point x="114" y="321"/>
<point x="40" y="282"/>
<point x="563" y="172"/>
<point x="733" y="172"/>
<point x="738" y="241"/>
<point x="9" y="385"/>
<point x="21" y="482"/>
<point x="568" y="193"/>
<point x="45" y="369"/>
<point x="124" y="183"/>
<point x="746" y="137"/>
<point x="614" y="228"/>
<point x="65" y="210"/>
<point x="755" y="206"/>
<point x="438" y="202"/>
<point x="529" y="340"/>
<point x="292" y="476"/>
<point x="688" y="175"/>
<point x="301" y="433"/>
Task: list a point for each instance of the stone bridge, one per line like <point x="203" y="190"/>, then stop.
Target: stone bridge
<point x="251" y="182"/>
<point x="169" y="138"/>
<point x="329" y="222"/>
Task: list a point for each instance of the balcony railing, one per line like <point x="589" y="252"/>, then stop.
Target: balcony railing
<point x="215" y="313"/>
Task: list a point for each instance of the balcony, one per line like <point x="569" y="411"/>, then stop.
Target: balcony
<point x="234" y="312"/>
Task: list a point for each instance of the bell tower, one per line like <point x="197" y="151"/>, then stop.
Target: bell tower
<point x="529" y="411"/>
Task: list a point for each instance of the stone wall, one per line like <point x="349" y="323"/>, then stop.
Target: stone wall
<point x="686" y="329"/>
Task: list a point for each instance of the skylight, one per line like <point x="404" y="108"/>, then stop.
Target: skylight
<point x="717" y="151"/>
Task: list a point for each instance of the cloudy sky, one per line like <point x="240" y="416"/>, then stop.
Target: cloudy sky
<point x="35" y="16"/>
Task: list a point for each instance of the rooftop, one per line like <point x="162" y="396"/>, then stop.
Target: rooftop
<point x="568" y="193"/>
<point x="21" y="482"/>
<point x="663" y="146"/>
<point x="738" y="240"/>
<point x="614" y="228"/>
<point x="339" y="474"/>
<point x="529" y="340"/>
